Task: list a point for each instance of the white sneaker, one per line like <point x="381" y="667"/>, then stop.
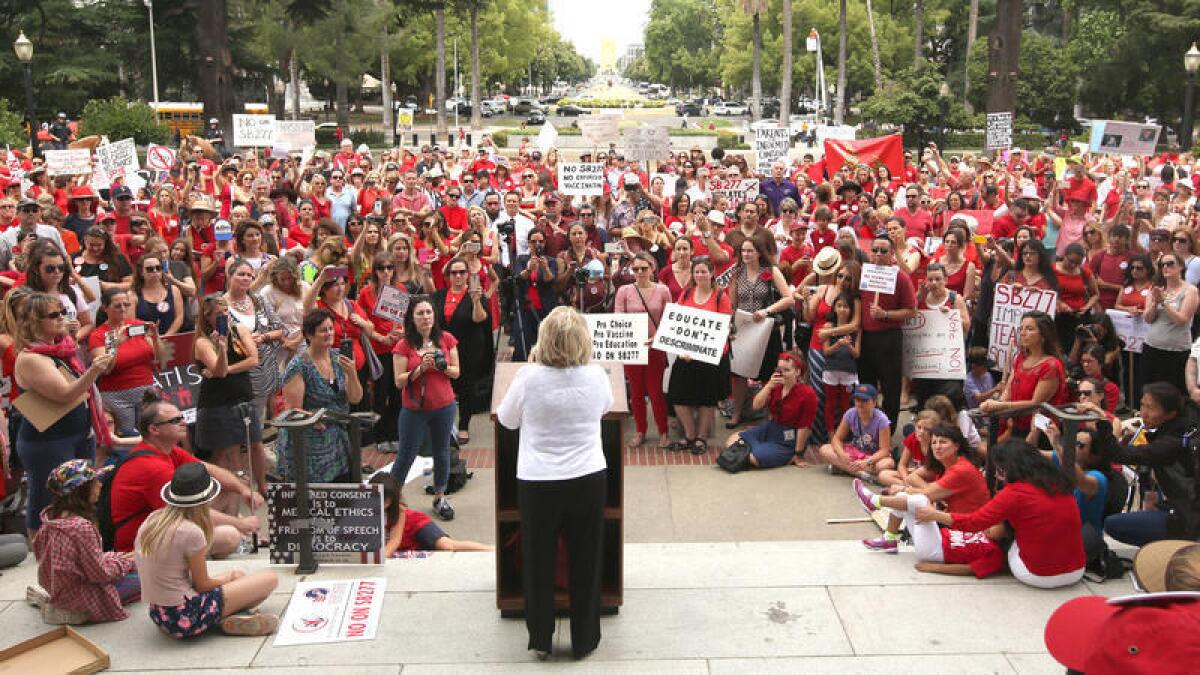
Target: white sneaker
<point x="36" y="596"/>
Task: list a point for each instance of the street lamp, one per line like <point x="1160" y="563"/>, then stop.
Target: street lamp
<point x="153" y="55"/>
<point x="24" y="49"/>
<point x="813" y="44"/>
<point x="1191" y="63"/>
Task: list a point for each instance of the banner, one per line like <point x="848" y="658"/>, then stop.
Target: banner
<point x="687" y="331"/>
<point x="600" y="129"/>
<point x="179" y="378"/>
<point x="879" y="278"/>
<point x="749" y="343"/>
<point x="1131" y="328"/>
<point x="391" y="304"/>
<point x="1009" y="305"/>
<point x="933" y="346"/>
<point x="999" y="131"/>
<point x="546" y="138"/>
<point x="980" y="221"/>
<point x="118" y="160"/>
<point x="646" y="144"/>
<point x="253" y="131"/>
<point x="295" y="134"/>
<point x="885" y="150"/>
<point x="736" y="190"/>
<point x="1123" y="138"/>
<point x="68" y="162"/>
<point x="585" y="180"/>
<point x="347" y="522"/>
<point x="770" y="144"/>
<point x="620" y="338"/>
<point x="159" y="157"/>
<point x="332" y="611"/>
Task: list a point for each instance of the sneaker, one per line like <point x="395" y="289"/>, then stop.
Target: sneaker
<point x="57" y="616"/>
<point x="864" y="495"/>
<point x="882" y="545"/>
<point x="36" y="596"/>
<point x="441" y="507"/>
<point x="256" y="624"/>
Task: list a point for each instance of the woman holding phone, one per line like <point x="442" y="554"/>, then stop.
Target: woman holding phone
<point x="462" y="307"/>
<point x="136" y="349"/>
<point x="225" y="353"/>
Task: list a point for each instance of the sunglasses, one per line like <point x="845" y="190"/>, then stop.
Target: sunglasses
<point x="1086" y="392"/>
<point x="1167" y="263"/>
<point x="386" y="267"/>
<point x="456" y="273"/>
<point x="51" y="269"/>
<point x="178" y="419"/>
<point x="1181" y="240"/>
<point x="152" y="268"/>
<point x="640" y="268"/>
<point x="55" y="315"/>
<point x="881" y="251"/>
<point x="788" y="210"/>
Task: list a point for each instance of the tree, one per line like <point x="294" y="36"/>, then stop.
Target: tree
<point x="215" y="65"/>
<point x="839" y="110"/>
<point x="785" y="83"/>
<point x="915" y="102"/>
<point x="918" y="30"/>
<point x="755" y="8"/>
<point x="117" y="118"/>
<point x="439" y="73"/>
<point x="1004" y="49"/>
<point x="972" y="28"/>
<point x="683" y="44"/>
<point x="876" y="65"/>
<point x="476" y="100"/>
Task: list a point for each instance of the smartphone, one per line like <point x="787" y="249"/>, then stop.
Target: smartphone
<point x="473" y="284"/>
<point x="339" y="272"/>
<point x="471" y="247"/>
<point x="137" y="330"/>
<point x="1142" y="215"/>
<point x="346" y="348"/>
<point x="614" y="247"/>
<point x="223" y="325"/>
<point x="1041" y="421"/>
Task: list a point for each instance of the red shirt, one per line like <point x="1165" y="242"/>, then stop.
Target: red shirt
<point x="414" y="521"/>
<point x="134" y="366"/>
<point x="914" y="448"/>
<point x="903" y="298"/>
<point x="1110" y="268"/>
<point x="822" y="238"/>
<point x="433" y="387"/>
<point x="974" y="549"/>
<point x="967" y="484"/>
<point x="915" y="224"/>
<point x="344" y="327"/>
<point x="137" y="489"/>
<point x="1131" y="296"/>
<point x="797" y="410"/>
<point x="366" y="306"/>
<point x="792" y="254"/>
<point x="1072" y="288"/>
<point x="1024" y="382"/>
<point x="1046" y="527"/>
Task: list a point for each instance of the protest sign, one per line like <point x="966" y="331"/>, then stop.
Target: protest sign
<point x="600" y="129"/>
<point x="687" y="331"/>
<point x="1123" y="138"/>
<point x="770" y="144"/>
<point x="68" y="162"/>
<point x="295" y="133"/>
<point x="253" y="131"/>
<point x="824" y="132"/>
<point x="331" y="610"/>
<point x="404" y="119"/>
<point x="1010" y="304"/>
<point x="620" y="338"/>
<point x="933" y="346"/>
<point x="581" y="179"/>
<point x="646" y="143"/>
<point x="546" y="138"/>
<point x="1131" y="328"/>
<point x="736" y="190"/>
<point x="392" y="303"/>
<point x="118" y="160"/>
<point x="999" y="131"/>
<point x="668" y="180"/>
<point x="346" y="520"/>
<point x="159" y="157"/>
<point x="179" y="376"/>
<point x="749" y="343"/>
<point x="878" y="278"/>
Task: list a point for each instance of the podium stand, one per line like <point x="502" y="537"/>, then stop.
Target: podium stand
<point x="510" y="598"/>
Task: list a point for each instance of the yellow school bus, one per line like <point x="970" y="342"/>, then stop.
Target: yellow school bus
<point x="188" y="118"/>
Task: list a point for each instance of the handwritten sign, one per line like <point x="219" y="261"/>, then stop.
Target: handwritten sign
<point x="669" y="180"/>
<point x="68" y="162"/>
<point x="295" y="134"/>
<point x="585" y="180"/>
<point x="736" y="190"/>
<point x="770" y="144"/>
<point x="1010" y="304"/>
<point x="253" y="131"/>
<point x="999" y="131"/>
<point x="1131" y="328"/>
<point x="620" y="338"/>
<point x="933" y="346"/>
<point x="392" y="304"/>
<point x="332" y="610"/>
<point x="878" y="278"/>
<point x="749" y="343"/>
<point x="118" y="160"/>
<point x="687" y="331"/>
<point x="404" y="118"/>
<point x="600" y="129"/>
<point x="646" y="143"/>
<point x="347" y="522"/>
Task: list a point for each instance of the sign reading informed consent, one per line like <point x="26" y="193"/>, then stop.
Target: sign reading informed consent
<point x="696" y="333"/>
<point x="586" y="180"/>
<point x="340" y="610"/>
<point x="253" y="131"/>
<point x="1009" y="305"/>
<point x="347" y="522"/>
<point x="620" y="338"/>
<point x="933" y="346"/>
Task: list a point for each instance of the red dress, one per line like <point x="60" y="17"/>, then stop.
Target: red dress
<point x="1072" y="288"/>
<point x="957" y="282"/>
<point x="1025" y="381"/>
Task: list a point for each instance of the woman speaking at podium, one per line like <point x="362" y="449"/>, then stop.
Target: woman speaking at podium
<point x="557" y="403"/>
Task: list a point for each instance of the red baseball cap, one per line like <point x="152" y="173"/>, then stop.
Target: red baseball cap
<point x="1147" y="633"/>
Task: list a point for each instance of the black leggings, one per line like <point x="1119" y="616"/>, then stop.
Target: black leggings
<point x="385" y="402"/>
<point x="464" y="390"/>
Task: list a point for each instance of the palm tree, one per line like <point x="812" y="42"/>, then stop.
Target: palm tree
<point x="875" y="62"/>
<point x="972" y="33"/>
<point x="476" y="113"/>
<point x="839" y="108"/>
<point x="755" y="8"/>
<point x="918" y="30"/>
<point x="785" y="81"/>
<point x="439" y="86"/>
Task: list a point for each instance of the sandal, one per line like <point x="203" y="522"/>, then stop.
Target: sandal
<point x="464" y="438"/>
<point x="664" y="442"/>
<point x="699" y="446"/>
<point x="635" y="442"/>
<point x="680" y="445"/>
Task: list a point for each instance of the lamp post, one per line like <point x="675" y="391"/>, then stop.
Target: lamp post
<point x="813" y="44"/>
<point x="24" y="49"/>
<point x="153" y="54"/>
<point x="1191" y="63"/>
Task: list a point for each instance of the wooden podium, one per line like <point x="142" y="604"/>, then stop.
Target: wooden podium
<point x="510" y="598"/>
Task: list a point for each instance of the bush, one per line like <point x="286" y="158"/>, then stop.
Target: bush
<point x="326" y="138"/>
<point x="727" y="140"/>
<point x="613" y="103"/>
<point x="119" y="119"/>
<point x="12" y="127"/>
<point x="501" y="137"/>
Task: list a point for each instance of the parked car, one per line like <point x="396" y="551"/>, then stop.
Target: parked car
<point x="524" y="106"/>
<point x="690" y="108"/>
<point x="571" y="110"/>
<point x="730" y="108"/>
<point x="551" y="99"/>
<point x="535" y="117"/>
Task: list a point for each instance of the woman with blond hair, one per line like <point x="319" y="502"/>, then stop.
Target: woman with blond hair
<point x="409" y="274"/>
<point x="557" y="402"/>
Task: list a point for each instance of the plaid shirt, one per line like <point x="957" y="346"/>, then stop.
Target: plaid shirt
<point x="74" y="570"/>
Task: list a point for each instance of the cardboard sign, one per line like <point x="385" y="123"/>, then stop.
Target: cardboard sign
<point x="646" y="143"/>
<point x="332" y="611"/>
<point x="118" y="160"/>
<point x="347" y="522"/>
<point x="404" y="119"/>
<point x="42" y="412"/>
<point x="1131" y="328"/>
<point x="600" y="129"/>
<point x="546" y="138"/>
<point x="687" y="331"/>
<point x="1009" y="305"/>
<point x="159" y="157"/>
<point x="736" y="190"/>
<point x="770" y="144"/>
<point x="68" y="162"/>
<point x="585" y="180"/>
<point x="999" y="131"/>
<point x="878" y="278"/>
<point x="620" y="338"/>
<point x="295" y="133"/>
<point x="933" y="346"/>
<point x="1123" y="138"/>
<point x="253" y="131"/>
<point x="392" y="304"/>
<point x="748" y="344"/>
<point x="179" y="377"/>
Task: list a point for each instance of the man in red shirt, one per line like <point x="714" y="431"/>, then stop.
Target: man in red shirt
<point x="122" y="203"/>
<point x="1110" y="264"/>
<point x="918" y="221"/>
<point x="138" y="483"/>
<point x="882" y="316"/>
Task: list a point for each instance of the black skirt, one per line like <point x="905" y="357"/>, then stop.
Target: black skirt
<point x="695" y="383"/>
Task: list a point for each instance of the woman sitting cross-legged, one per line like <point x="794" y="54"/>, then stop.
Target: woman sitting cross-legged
<point x="793" y="405"/>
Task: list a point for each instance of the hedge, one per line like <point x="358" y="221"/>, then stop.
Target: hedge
<point x="612" y="103"/>
<point x="327" y="137"/>
<point x="501" y="137"/>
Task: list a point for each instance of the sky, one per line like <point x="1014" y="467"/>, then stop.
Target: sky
<point x="584" y="23"/>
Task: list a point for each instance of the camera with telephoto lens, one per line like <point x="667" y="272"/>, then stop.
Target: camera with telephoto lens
<point x="1087" y="330"/>
<point x="506" y="228"/>
<point x="439" y="360"/>
<point x="581" y="275"/>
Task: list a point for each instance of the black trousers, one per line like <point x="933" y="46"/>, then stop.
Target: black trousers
<point x="881" y="364"/>
<point x="574" y="508"/>
<point x="386" y="402"/>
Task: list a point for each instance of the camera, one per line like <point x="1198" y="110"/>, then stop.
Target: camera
<point x="506" y="228"/>
<point x="1086" y="331"/>
<point x="581" y="275"/>
<point x="439" y="360"/>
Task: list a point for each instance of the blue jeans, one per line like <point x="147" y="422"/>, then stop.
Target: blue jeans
<point x="42" y="457"/>
<point x="1137" y="528"/>
<point x="414" y="427"/>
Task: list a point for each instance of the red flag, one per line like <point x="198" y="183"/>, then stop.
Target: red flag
<point x="979" y="221"/>
<point x="885" y="150"/>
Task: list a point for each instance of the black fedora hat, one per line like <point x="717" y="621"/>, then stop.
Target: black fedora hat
<point x="191" y="486"/>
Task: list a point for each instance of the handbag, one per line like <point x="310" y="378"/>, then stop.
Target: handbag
<point x="736" y="457"/>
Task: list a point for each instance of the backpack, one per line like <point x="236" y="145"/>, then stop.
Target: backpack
<point x="735" y="458"/>
<point x="459" y="475"/>
<point x="108" y="529"/>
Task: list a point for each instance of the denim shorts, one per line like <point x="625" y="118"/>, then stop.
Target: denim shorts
<point x="199" y="613"/>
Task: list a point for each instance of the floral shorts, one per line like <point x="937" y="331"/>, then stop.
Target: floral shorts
<point x="201" y="612"/>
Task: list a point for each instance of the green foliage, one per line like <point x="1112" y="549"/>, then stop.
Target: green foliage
<point x="12" y="126"/>
<point x="117" y="118"/>
<point x="683" y="44"/>
<point x="1047" y="87"/>
<point x="326" y="138"/>
<point x="914" y="102"/>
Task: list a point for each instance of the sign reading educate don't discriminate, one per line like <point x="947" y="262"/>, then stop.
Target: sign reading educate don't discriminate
<point x="691" y="332"/>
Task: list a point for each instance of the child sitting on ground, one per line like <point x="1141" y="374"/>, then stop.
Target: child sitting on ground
<point x="409" y="530"/>
<point x="79" y="582"/>
<point x="862" y="444"/>
<point x="913" y="454"/>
